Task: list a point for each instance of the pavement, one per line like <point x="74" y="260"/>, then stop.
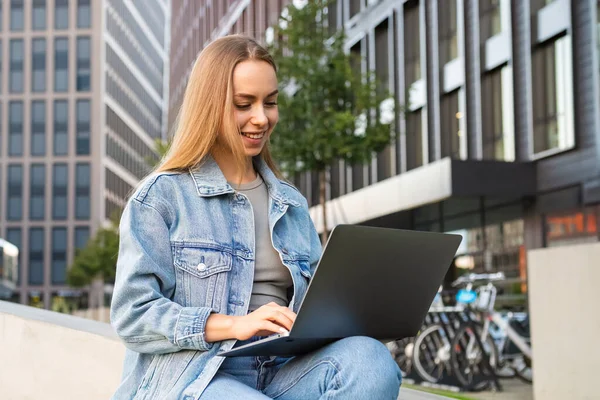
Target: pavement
<point x="409" y="394"/>
<point x="512" y="389"/>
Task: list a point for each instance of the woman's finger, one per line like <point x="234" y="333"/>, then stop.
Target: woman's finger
<point x="272" y="327"/>
<point x="281" y="319"/>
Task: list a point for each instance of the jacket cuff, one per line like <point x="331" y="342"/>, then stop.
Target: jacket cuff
<point x="189" y="331"/>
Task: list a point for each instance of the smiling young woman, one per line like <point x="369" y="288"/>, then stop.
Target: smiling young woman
<point x="217" y="251"/>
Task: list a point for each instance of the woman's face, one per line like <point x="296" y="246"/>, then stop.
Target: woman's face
<point x="255" y="103"/>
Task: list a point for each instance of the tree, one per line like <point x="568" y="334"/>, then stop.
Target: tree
<point x="98" y="259"/>
<point x="161" y="148"/>
<point x="329" y="111"/>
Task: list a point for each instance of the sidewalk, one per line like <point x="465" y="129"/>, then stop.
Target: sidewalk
<point x="409" y="394"/>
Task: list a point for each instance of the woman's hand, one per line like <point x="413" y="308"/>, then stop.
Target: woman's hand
<point x="266" y="320"/>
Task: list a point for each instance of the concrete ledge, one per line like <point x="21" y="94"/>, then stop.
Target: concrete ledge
<point x="47" y="355"/>
<point x="565" y="322"/>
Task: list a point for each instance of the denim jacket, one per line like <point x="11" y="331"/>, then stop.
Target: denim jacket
<point x="187" y="250"/>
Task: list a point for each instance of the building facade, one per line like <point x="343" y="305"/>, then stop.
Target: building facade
<point x="500" y="135"/>
<point x="82" y="99"/>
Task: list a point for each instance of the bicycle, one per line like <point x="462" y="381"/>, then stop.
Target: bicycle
<point x="493" y="328"/>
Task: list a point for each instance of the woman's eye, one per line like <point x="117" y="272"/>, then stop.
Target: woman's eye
<point x="242" y="106"/>
<point x="272" y="104"/>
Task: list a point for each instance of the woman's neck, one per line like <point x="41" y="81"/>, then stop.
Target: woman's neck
<point x="226" y="163"/>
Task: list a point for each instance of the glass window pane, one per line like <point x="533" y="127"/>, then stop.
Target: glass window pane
<point x="61" y="14"/>
<point x="82" y="235"/>
<point x="38" y="128"/>
<point x="36" y="256"/>
<point x="15" y="193"/>
<point x="82" y="143"/>
<point x="15" y="128"/>
<point x="61" y="126"/>
<point x="38" y="65"/>
<point x="83" y="14"/>
<point x="16" y="65"/>
<point x="13" y="235"/>
<point x="414" y="139"/>
<point x="59" y="191"/>
<point x="61" y="65"/>
<point x="412" y="44"/>
<point x="553" y="114"/>
<point x="59" y="256"/>
<point x="82" y="191"/>
<point x="38" y="17"/>
<point x="83" y="64"/>
<point x="16" y="15"/>
<point x="38" y="192"/>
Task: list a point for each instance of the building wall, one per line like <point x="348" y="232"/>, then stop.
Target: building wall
<point x="504" y="45"/>
<point x="63" y="206"/>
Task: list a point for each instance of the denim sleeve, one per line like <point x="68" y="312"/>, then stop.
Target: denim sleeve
<point x="141" y="312"/>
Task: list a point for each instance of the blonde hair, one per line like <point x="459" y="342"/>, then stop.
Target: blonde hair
<point x="207" y="106"/>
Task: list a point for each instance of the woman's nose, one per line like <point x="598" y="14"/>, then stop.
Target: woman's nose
<point x="259" y="118"/>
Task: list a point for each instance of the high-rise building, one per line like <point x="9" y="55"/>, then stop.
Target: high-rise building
<point x="82" y="99"/>
<point x="500" y="136"/>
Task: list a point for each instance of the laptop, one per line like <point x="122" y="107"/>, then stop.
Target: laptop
<point x="375" y="282"/>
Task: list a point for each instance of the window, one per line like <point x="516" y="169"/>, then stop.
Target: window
<point x="354" y="7"/>
<point x="60" y="175"/>
<point x="15" y="193"/>
<point x="61" y="127"/>
<point x="83" y="64"/>
<point x="38" y="192"/>
<point x="36" y="256"/>
<point x="414" y="139"/>
<point x="15" y="128"/>
<point x="450" y="125"/>
<point x="59" y="256"/>
<point x="16" y="15"/>
<point x="16" y="65"/>
<point x="82" y="235"/>
<point x="38" y="65"/>
<point x="61" y="14"/>
<point x="38" y="128"/>
<point x="38" y="16"/>
<point x="497" y="115"/>
<point x="412" y="44"/>
<point x="82" y="142"/>
<point x="448" y="40"/>
<point x="489" y="19"/>
<point x="13" y="235"/>
<point x="382" y="72"/>
<point x="553" y="96"/>
<point x="61" y="64"/>
<point x="332" y="17"/>
<point x="82" y="191"/>
<point x="83" y="14"/>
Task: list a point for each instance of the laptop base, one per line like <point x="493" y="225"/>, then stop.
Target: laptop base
<point x="285" y="346"/>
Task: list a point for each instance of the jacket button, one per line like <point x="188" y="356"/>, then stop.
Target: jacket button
<point x="201" y="267"/>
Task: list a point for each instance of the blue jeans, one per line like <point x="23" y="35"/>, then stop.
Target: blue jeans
<point x="354" y="368"/>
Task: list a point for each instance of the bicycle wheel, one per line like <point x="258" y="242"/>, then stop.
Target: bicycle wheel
<point x="522" y="367"/>
<point x="431" y="354"/>
<point x="467" y="358"/>
<point x="402" y="352"/>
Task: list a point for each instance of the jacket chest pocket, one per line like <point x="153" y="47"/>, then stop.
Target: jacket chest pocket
<point x="202" y="276"/>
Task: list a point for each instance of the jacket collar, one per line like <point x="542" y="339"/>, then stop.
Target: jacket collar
<point x="210" y="181"/>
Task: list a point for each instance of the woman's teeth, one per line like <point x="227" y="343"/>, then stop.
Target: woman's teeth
<point x="254" y="135"/>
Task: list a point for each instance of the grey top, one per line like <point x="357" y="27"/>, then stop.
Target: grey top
<point x="271" y="278"/>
